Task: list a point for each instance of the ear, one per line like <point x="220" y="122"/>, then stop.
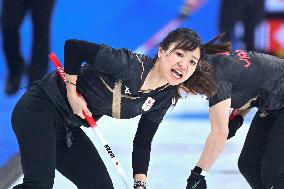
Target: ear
<point x="160" y="52"/>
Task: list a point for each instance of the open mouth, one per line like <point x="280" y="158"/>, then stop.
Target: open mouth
<point x="177" y="74"/>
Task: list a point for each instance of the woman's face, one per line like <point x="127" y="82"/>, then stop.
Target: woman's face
<point x="178" y="65"/>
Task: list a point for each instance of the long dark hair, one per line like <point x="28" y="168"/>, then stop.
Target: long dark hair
<point x="212" y="48"/>
<point x="201" y="81"/>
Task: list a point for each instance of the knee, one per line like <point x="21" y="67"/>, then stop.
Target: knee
<point x="248" y="168"/>
<point x="243" y="166"/>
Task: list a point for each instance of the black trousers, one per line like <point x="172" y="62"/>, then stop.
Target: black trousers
<point x="41" y="134"/>
<point x="262" y="158"/>
<point x="250" y="12"/>
<point x="13" y="13"/>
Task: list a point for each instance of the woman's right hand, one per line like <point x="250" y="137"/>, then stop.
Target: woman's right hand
<point x="76" y="101"/>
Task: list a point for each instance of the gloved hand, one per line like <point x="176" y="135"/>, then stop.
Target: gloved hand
<point x="196" y="181"/>
<point x="235" y="122"/>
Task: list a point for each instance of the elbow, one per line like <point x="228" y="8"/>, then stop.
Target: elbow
<point x="221" y="134"/>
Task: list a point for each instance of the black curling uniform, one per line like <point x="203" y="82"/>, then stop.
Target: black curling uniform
<point x="243" y="76"/>
<point x="247" y="77"/>
<point x="110" y="81"/>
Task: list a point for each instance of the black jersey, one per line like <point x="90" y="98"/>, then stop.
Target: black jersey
<point x="110" y="82"/>
<point x="244" y="76"/>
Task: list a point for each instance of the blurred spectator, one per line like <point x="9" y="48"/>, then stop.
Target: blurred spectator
<point x="249" y="12"/>
<point x="13" y="13"/>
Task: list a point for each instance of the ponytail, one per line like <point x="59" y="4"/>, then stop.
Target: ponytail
<point x="212" y="48"/>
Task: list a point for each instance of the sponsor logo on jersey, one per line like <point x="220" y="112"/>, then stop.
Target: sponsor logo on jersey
<point x="127" y="91"/>
<point x="148" y="104"/>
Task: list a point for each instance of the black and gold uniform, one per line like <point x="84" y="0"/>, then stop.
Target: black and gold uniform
<point x="109" y="80"/>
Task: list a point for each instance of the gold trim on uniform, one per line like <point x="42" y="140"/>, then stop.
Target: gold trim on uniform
<point x="164" y="87"/>
<point x="116" y="100"/>
<point x="111" y="90"/>
<point x="247" y="105"/>
<point x="116" y="97"/>
<point x="142" y="64"/>
<point x="149" y="90"/>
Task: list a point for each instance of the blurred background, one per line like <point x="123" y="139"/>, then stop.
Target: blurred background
<point x="130" y="24"/>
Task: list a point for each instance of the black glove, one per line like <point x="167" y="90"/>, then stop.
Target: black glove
<point x="196" y="180"/>
<point x="234" y="124"/>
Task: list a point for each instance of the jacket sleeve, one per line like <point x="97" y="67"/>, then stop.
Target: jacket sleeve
<point x="102" y="57"/>
<point x="147" y="127"/>
<point x="223" y="92"/>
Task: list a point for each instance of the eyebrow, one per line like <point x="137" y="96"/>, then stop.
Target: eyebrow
<point x="195" y="57"/>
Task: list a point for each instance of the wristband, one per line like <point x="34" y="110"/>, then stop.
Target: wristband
<point x="199" y="171"/>
<point x="139" y="183"/>
<point x="69" y="82"/>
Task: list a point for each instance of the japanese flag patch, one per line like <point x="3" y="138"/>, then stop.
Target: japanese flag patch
<point x="148" y="104"/>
